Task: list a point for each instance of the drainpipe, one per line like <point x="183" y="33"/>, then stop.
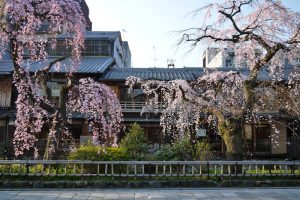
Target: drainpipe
<point x="6" y="131"/>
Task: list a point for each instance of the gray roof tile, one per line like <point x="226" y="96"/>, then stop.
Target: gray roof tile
<point x="6" y="66"/>
<point x="96" y="34"/>
<point x="119" y="74"/>
<point x="189" y="74"/>
<point x="86" y="65"/>
<point x="264" y="73"/>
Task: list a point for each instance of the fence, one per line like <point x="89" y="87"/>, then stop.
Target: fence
<point x="148" y="168"/>
<point x="7" y="151"/>
<point x="129" y="106"/>
<point x="4" y="108"/>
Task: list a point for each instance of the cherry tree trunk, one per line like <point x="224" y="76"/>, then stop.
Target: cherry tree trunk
<point x="58" y="124"/>
<point x="231" y="130"/>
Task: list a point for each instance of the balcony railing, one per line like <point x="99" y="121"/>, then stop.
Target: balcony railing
<point x="4" y="108"/>
<point x="129" y="106"/>
<point x="148" y="168"/>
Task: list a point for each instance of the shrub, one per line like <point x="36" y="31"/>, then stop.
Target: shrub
<point x="202" y="150"/>
<point x="134" y="142"/>
<point x="165" y="153"/>
<point x="181" y="149"/>
<point x="96" y="153"/>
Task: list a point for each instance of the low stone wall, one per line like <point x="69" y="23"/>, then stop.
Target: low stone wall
<point x="149" y="184"/>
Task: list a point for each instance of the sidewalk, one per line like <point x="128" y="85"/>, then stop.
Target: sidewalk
<point x="158" y="194"/>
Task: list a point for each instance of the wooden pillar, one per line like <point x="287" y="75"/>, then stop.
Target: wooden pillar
<point x="84" y="129"/>
<point x="147" y="134"/>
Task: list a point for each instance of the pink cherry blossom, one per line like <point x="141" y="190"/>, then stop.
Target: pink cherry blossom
<point x="30" y="27"/>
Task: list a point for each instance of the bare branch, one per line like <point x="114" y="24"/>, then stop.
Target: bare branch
<point x="46" y="70"/>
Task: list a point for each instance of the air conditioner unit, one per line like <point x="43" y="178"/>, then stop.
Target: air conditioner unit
<point x="84" y="140"/>
<point x="55" y="92"/>
<point x="52" y="85"/>
<point x="201" y="132"/>
<point x="42" y="92"/>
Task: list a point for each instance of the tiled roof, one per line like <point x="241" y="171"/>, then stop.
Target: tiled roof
<point x="100" y="64"/>
<point x="96" y="34"/>
<point x="189" y="74"/>
<point x="86" y="65"/>
<point x="264" y="74"/>
<point x="119" y="74"/>
<point x="6" y="66"/>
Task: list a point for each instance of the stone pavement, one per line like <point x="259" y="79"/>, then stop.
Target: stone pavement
<point x="159" y="194"/>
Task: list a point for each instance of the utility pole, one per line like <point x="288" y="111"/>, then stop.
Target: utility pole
<point x="123" y="34"/>
<point x="154" y="57"/>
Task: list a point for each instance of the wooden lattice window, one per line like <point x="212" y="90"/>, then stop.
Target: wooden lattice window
<point x="5" y="92"/>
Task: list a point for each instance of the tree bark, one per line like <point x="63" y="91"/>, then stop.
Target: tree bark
<point x="60" y="116"/>
<point x="231" y="130"/>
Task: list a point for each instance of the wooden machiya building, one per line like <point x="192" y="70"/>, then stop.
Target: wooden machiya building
<point x="261" y="139"/>
<point x="107" y="59"/>
<point x="103" y="50"/>
<point x="132" y="103"/>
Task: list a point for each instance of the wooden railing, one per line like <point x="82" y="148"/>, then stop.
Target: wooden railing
<point x="148" y="168"/>
<point x="8" y="149"/>
<point x="129" y="106"/>
<point x="4" y="108"/>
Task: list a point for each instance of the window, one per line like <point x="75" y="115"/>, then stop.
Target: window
<point x="55" y="92"/>
<point x="97" y="48"/>
<point x="258" y="139"/>
<point x="92" y="47"/>
<point x="5" y="93"/>
<point x="244" y="64"/>
<point x="138" y="95"/>
<point x="262" y="139"/>
<point x="61" y="49"/>
<point x="286" y="61"/>
<point x="124" y="95"/>
<point x="229" y="63"/>
<point x="76" y="131"/>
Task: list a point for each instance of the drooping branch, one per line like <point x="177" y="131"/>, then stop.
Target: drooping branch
<point x="185" y="103"/>
<point x="20" y="29"/>
<point x="99" y="106"/>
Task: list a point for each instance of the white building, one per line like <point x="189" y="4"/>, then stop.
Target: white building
<point x="218" y="58"/>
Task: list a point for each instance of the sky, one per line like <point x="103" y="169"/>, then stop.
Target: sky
<point x="150" y="27"/>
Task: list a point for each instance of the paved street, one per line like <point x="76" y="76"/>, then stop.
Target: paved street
<point x="172" y="194"/>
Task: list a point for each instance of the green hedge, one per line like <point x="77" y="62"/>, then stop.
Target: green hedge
<point x="96" y="153"/>
<point x="182" y="149"/>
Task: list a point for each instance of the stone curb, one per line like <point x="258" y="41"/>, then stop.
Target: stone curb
<point x="149" y="184"/>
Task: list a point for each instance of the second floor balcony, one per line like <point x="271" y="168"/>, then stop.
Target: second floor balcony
<point x="130" y="106"/>
<point x="4" y="108"/>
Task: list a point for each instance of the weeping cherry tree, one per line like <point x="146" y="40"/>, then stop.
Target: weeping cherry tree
<point x="262" y="34"/>
<point x="27" y="29"/>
